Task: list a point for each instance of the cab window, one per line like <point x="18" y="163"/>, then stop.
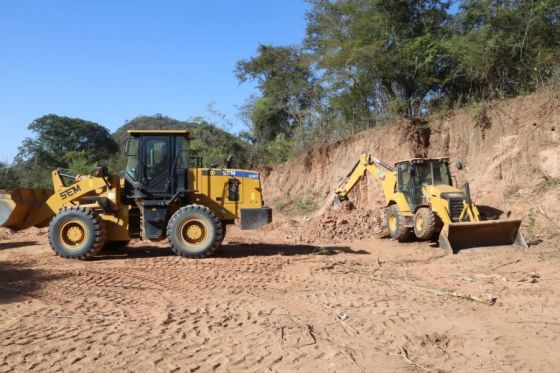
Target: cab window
<point x="441" y="173"/>
<point x="405" y="182"/>
<point x="182" y="149"/>
<point x="424" y="174"/>
<point x="132" y="156"/>
<point x="156" y="157"/>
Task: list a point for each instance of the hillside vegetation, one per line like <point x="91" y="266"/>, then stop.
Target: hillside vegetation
<point x="510" y="150"/>
<point x="367" y="62"/>
<point x="361" y="64"/>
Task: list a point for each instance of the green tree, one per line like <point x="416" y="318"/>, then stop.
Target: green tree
<point x="269" y="118"/>
<point x="78" y="163"/>
<point x="287" y="87"/>
<point x="374" y="53"/>
<point x="55" y="137"/>
<point x="211" y="143"/>
<point x="8" y="176"/>
<point x="505" y="47"/>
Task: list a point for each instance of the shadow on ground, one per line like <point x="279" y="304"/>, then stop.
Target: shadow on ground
<point x="137" y="252"/>
<point x="233" y="250"/>
<point x="18" y="282"/>
<point x="490" y="213"/>
<point x="16" y="244"/>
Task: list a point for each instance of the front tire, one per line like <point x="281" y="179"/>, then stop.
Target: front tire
<point x="425" y="223"/>
<point x="396" y="224"/>
<point x="77" y="233"/>
<point x="194" y="232"/>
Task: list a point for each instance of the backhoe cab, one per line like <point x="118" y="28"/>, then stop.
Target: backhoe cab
<point x="413" y="175"/>
<point x="165" y="193"/>
<point x="422" y="201"/>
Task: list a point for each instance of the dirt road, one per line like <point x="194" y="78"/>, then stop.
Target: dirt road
<point x="373" y="305"/>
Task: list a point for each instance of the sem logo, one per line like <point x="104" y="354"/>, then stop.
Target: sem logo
<point x="70" y="192"/>
<point x="380" y="174"/>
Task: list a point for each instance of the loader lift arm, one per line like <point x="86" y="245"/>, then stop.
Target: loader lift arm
<point x="24" y="208"/>
<point x="383" y="172"/>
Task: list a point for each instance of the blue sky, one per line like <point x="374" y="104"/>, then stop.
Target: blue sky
<point x="110" y="61"/>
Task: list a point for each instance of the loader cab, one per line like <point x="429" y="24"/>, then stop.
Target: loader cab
<point x="157" y="163"/>
<point x="414" y="174"/>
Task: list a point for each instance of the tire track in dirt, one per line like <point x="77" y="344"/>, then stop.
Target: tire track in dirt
<point x="279" y="312"/>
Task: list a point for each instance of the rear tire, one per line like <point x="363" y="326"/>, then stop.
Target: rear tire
<point x="77" y="233"/>
<point x="194" y="232"/>
<point x="396" y="224"/>
<point x="425" y="223"/>
<point x="223" y="233"/>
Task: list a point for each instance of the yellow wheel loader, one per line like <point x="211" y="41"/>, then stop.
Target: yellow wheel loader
<point x="422" y="201"/>
<point x="165" y="193"/>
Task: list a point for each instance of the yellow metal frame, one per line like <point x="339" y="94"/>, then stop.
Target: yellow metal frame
<point x="441" y="206"/>
<point x="31" y="208"/>
<point x="388" y="179"/>
<point x="386" y="176"/>
<point x="159" y="132"/>
<point x="24" y="208"/>
<point x="210" y="188"/>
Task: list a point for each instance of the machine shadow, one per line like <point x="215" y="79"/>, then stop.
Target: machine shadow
<point x="20" y="283"/>
<point x="16" y="244"/>
<point x="239" y="250"/>
<point x="489" y="212"/>
<point x="137" y="252"/>
<point x="233" y="250"/>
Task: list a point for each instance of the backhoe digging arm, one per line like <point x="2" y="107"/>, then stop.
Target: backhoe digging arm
<point x="382" y="172"/>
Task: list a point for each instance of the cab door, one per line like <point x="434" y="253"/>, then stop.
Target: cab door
<point x="157" y="164"/>
<point x="406" y="183"/>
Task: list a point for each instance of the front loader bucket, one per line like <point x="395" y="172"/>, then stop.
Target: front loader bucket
<point x="459" y="236"/>
<point x="19" y="204"/>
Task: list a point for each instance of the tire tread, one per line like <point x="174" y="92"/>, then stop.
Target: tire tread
<point x="200" y="209"/>
<point x="403" y="233"/>
<point x="100" y="231"/>
<point x="430" y="221"/>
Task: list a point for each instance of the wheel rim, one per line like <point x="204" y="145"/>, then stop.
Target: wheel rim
<point x="393" y="222"/>
<point x="194" y="233"/>
<point x="73" y="234"/>
<point x="420" y="223"/>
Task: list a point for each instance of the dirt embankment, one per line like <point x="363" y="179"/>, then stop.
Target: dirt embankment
<point x="266" y="302"/>
<point x="510" y="151"/>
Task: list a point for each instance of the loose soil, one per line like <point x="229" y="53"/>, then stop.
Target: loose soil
<point x="512" y="162"/>
<point x="266" y="302"/>
<point x="318" y="292"/>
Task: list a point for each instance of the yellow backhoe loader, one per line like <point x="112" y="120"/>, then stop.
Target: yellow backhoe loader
<point x="165" y="193"/>
<point x="422" y="200"/>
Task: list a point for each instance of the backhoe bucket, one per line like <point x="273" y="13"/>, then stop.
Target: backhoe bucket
<point x="336" y="203"/>
<point x="459" y="236"/>
<point x="19" y="204"/>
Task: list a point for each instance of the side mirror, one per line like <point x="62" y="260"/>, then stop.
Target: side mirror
<point x="233" y="189"/>
<point x="229" y="161"/>
<point x="101" y="171"/>
<point x="459" y="165"/>
<point x="127" y="147"/>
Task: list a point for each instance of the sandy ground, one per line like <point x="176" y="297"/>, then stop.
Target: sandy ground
<point x="372" y="305"/>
